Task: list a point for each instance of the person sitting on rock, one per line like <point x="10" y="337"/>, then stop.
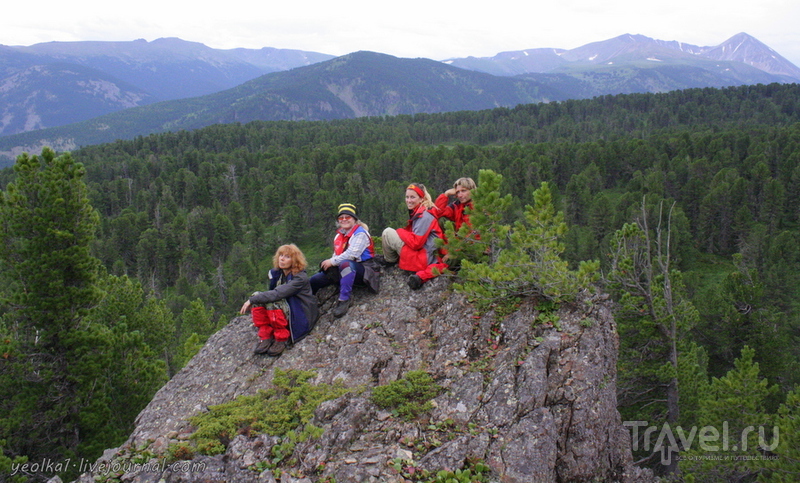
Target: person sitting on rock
<point x="414" y="248"/>
<point x="286" y="312"/>
<point x="451" y="203"/>
<point x="352" y="261"/>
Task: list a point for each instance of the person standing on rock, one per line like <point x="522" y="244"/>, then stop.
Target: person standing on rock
<point x="414" y="248"/>
<point x="286" y="312"/>
<point x="352" y="261"/>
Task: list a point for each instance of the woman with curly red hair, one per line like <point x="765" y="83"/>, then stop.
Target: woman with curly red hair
<point x="286" y="312"/>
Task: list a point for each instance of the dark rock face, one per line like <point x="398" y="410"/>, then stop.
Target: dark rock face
<point x="536" y="403"/>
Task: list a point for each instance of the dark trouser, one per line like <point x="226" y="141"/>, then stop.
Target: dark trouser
<point x="348" y="273"/>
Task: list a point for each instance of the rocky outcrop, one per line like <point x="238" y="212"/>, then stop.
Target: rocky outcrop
<point x="533" y="400"/>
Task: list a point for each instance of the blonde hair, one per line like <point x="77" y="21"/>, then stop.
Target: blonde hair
<point x="298" y="259"/>
<point x="466" y="183"/>
<point x="427" y="201"/>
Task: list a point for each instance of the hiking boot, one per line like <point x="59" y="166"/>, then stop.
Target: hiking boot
<point x="341" y="308"/>
<point x="381" y="260"/>
<point x="277" y="348"/>
<point x="263" y="346"/>
<point x="414" y="282"/>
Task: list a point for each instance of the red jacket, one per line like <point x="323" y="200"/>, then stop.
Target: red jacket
<point x="342" y="240"/>
<point x="452" y="211"/>
<point x="419" y="238"/>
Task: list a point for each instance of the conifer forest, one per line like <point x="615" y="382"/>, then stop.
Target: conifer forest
<point x="119" y="260"/>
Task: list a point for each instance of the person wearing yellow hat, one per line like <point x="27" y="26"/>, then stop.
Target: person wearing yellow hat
<point x="352" y="261"/>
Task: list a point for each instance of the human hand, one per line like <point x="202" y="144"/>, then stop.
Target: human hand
<point x="245" y="307"/>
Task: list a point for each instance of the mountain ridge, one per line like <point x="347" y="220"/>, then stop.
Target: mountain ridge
<point x="631" y="48"/>
<point x="355" y="85"/>
<point x="164" y="69"/>
<point x="368" y="84"/>
<point x="747" y="49"/>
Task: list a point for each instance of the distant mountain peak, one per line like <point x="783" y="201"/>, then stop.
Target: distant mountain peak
<point x="735" y="47"/>
<point x="635" y="48"/>
<point x="745" y="48"/>
<point x="743" y="36"/>
<point x="626" y="47"/>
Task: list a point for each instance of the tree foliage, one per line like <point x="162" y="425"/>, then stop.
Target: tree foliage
<point x="503" y="262"/>
<point x="735" y="407"/>
<point x="77" y="367"/>
<point x="195" y="216"/>
<point x="48" y="226"/>
<point x="654" y="318"/>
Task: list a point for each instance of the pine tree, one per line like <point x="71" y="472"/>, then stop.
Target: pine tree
<point x="740" y="313"/>
<point x="196" y="326"/>
<point x="500" y="262"/>
<point x="734" y="408"/>
<point x="119" y="361"/>
<point x="47" y="229"/>
<point x="783" y="465"/>
<point x="654" y="317"/>
<point x="9" y="465"/>
<point x="486" y="236"/>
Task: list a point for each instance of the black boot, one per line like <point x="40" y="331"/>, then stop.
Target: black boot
<point x="414" y="282"/>
<point x="341" y="308"/>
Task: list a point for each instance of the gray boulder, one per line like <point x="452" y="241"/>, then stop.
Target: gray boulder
<point x="534" y="402"/>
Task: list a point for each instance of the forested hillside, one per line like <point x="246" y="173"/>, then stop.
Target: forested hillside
<point x="188" y="222"/>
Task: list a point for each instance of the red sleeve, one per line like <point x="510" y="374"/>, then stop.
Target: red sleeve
<point x="420" y="231"/>
<point x="412" y="241"/>
<point x="443" y="208"/>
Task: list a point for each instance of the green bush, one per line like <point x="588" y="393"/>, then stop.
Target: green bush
<point x="290" y="404"/>
<point x="510" y="261"/>
<point x="408" y="397"/>
<point x="476" y="474"/>
<point x="474" y="471"/>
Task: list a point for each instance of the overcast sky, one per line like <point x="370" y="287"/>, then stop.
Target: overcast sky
<point x="436" y="29"/>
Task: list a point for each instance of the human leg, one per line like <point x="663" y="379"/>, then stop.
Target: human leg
<point x="321" y="279"/>
<point x="265" y="330"/>
<point x="432" y="271"/>
<point x="392" y="245"/>
<point x="280" y="326"/>
<point x="352" y="272"/>
<point x="261" y="321"/>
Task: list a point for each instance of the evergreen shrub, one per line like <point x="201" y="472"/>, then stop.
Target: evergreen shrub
<point x="409" y="396"/>
<point x="277" y="411"/>
<point x="501" y="261"/>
